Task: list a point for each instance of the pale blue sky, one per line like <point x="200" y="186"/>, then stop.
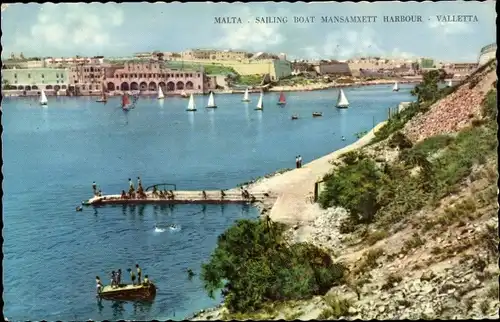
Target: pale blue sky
<point x="122" y="29"/>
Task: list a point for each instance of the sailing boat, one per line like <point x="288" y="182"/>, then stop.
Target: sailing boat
<point x="126" y="102"/>
<point x="245" y="96"/>
<point x="450" y="84"/>
<point x="396" y="87"/>
<point x="160" y="93"/>
<point x="191" y="106"/>
<point x="211" y="101"/>
<point x="282" y="100"/>
<point x="260" y="104"/>
<point x="103" y="98"/>
<point x="43" y="98"/>
<point x="184" y="94"/>
<point x="342" y="101"/>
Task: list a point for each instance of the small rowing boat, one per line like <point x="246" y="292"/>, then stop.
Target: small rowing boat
<point x="128" y="292"/>
<point x="317" y="114"/>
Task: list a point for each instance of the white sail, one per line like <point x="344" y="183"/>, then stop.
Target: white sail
<point x="211" y="100"/>
<point x="191" y="105"/>
<point x="43" y="98"/>
<point x="450" y="84"/>
<point x="342" y="100"/>
<point x="245" y="96"/>
<point x="183" y="94"/>
<point x="396" y="87"/>
<point x="160" y="93"/>
<point x="260" y="105"/>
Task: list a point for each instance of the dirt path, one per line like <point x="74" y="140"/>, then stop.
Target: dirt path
<point x="294" y="189"/>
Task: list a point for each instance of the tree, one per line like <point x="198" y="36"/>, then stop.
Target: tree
<point x="427" y="90"/>
<point x="253" y="264"/>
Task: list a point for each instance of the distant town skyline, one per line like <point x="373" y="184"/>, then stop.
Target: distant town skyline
<point x="123" y="29"/>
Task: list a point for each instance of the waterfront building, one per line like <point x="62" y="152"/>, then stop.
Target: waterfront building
<point x="487" y="53"/>
<point x="23" y="63"/>
<point x="213" y="54"/>
<point x="51" y="79"/>
<point x="147" y="76"/>
<point x="334" y="68"/>
<point x="86" y="78"/>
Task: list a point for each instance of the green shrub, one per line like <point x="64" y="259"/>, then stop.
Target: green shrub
<point x="353" y="187"/>
<point x="252" y="266"/>
<point x="426" y="147"/>
<point x="400" y="140"/>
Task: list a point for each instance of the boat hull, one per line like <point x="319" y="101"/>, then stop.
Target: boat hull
<point x="245" y="101"/>
<point x="281" y="104"/>
<point x="258" y="109"/>
<point x="317" y="115"/>
<point x="294" y="118"/>
<point x="160" y="98"/>
<point x="342" y="106"/>
<point x="194" y="110"/>
<point x="101" y="101"/>
<point x="43" y="104"/>
<point x="129" y="293"/>
<point x="211" y="107"/>
<point x="395" y="90"/>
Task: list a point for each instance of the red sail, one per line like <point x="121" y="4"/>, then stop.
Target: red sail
<point x="282" y="98"/>
<point x="125" y="100"/>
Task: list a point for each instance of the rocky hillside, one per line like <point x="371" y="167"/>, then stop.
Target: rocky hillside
<point x="429" y="252"/>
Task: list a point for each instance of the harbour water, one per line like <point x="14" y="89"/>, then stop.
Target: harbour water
<point x="51" y="156"/>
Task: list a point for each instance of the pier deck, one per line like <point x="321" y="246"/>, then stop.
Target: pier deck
<point x="180" y="197"/>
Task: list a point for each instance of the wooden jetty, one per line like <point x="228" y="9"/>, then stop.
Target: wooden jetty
<point x="179" y="197"/>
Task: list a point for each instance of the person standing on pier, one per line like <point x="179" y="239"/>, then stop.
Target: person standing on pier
<point x="297" y="162"/>
<point x="300" y="161"/>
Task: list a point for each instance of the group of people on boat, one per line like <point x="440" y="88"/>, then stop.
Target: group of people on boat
<point x="116" y="279"/>
<point x="298" y="161"/>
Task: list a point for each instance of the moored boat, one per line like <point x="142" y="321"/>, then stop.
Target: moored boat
<point x="211" y="101"/>
<point x="295" y="117"/>
<point x="317" y="114"/>
<point x="282" y="100"/>
<point x="245" y="96"/>
<point x="128" y="292"/>
<point x="260" y="104"/>
<point x="126" y="105"/>
<point x="43" y="98"/>
<point x="342" y="101"/>
<point x="191" y="106"/>
<point x="160" y="93"/>
<point x="396" y="87"/>
<point x="103" y="98"/>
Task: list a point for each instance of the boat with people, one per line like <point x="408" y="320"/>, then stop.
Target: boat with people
<point x="395" y="88"/>
<point x="184" y="94"/>
<point x="191" y="105"/>
<point x="160" y="93"/>
<point x="246" y="98"/>
<point x="43" y="98"/>
<point x="317" y="114"/>
<point x="260" y="104"/>
<point x="342" y="101"/>
<point x="211" y="101"/>
<point x="129" y="292"/>
<point x="282" y="100"/>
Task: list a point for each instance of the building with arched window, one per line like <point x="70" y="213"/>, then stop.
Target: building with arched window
<point x="148" y="76"/>
<point x="49" y="79"/>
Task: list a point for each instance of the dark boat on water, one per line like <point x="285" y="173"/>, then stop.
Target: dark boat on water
<point x="295" y="117"/>
<point x="282" y="100"/>
<point x="317" y="114"/>
<point x="128" y="292"/>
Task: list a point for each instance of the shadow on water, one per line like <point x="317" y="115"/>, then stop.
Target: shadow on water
<point x="118" y="308"/>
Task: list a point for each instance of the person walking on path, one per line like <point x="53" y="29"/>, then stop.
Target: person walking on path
<point x="297" y="162"/>
<point x="300" y="161"/>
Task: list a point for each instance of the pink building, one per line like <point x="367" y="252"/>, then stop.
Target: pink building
<point x="147" y="76"/>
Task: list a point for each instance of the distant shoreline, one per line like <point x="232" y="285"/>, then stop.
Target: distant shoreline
<point x="286" y="88"/>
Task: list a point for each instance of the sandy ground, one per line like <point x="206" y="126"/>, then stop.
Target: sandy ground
<point x="291" y="193"/>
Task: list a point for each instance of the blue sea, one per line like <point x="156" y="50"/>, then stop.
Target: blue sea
<point x="52" y="154"/>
